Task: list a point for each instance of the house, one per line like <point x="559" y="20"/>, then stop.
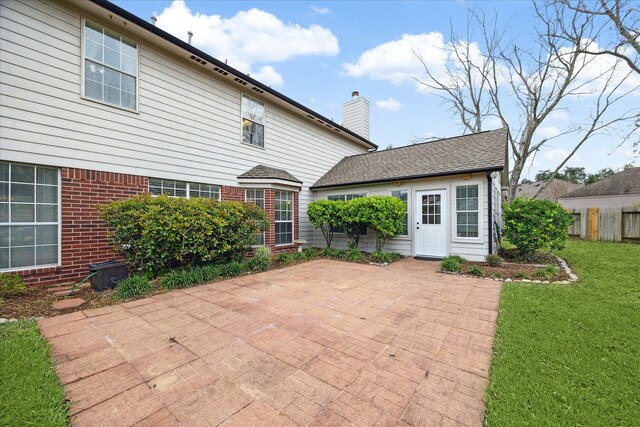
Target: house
<point x="99" y="104"/>
<point x="615" y="191"/>
<point x="554" y="189"/>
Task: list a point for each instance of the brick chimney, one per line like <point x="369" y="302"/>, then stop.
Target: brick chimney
<point x="355" y="115"/>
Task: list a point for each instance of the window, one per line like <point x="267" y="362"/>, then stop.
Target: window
<point x="403" y="195"/>
<point x="284" y="217"/>
<point x="344" y="198"/>
<point x="173" y="188"/>
<point x="29" y="220"/>
<point x="110" y="67"/>
<point x="256" y="196"/>
<point x="252" y="121"/>
<point x="467" y="211"/>
<point x="432" y="209"/>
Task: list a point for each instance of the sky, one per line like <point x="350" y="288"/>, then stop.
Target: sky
<point x="317" y="53"/>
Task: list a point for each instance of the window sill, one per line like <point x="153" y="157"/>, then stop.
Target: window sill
<point x="29" y="269"/>
<point x="97" y="101"/>
<point x="472" y="240"/>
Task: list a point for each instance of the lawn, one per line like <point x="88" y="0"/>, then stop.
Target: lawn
<point x="570" y="355"/>
<point x="30" y="393"/>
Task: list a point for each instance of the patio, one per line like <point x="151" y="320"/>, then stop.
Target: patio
<point x="320" y="343"/>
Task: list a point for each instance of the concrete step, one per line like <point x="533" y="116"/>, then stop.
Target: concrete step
<point x="68" y="303"/>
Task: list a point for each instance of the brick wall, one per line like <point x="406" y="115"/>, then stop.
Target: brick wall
<point x="235" y="194"/>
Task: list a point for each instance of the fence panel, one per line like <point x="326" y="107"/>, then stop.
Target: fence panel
<point x="609" y="224"/>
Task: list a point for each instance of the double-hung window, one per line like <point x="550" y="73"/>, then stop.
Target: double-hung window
<point x="284" y="217"/>
<point x="345" y="198"/>
<point x="467" y="211"/>
<point x="256" y="195"/>
<point x="29" y="222"/>
<point x="171" y="188"/>
<point x="403" y="195"/>
<point x="110" y="67"/>
<point x="252" y="121"/>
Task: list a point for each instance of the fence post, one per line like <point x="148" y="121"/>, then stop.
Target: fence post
<point x="593" y="215"/>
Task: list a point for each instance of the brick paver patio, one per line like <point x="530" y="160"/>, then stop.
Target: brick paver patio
<point x="321" y="343"/>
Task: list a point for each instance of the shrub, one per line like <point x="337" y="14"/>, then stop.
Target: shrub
<point x="285" y="258"/>
<point x="521" y="275"/>
<point x="493" y="260"/>
<point x="532" y="225"/>
<point x="133" y="287"/>
<point x="381" y="257"/>
<point x="326" y="216"/>
<point x="474" y="270"/>
<point x="178" y="279"/>
<point x="328" y="253"/>
<point x="451" y="263"/>
<point x="458" y="258"/>
<point x="261" y="260"/>
<point x="11" y="284"/>
<point x="496" y="275"/>
<point x="382" y="214"/>
<point x="155" y="232"/>
<point x="341" y="254"/>
<point x="231" y="269"/>
<point x="354" y="255"/>
<point x="546" y="272"/>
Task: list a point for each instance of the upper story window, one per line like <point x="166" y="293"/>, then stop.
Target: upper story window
<point x="467" y="211"/>
<point x="403" y="195"/>
<point x="252" y="121"/>
<point x="171" y="188"/>
<point x="110" y="67"/>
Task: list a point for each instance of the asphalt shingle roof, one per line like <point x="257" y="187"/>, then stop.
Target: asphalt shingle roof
<point x="625" y="182"/>
<point x="475" y="152"/>
<point x="266" y="172"/>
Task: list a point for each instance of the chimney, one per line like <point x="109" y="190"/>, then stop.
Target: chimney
<point x="355" y="115"/>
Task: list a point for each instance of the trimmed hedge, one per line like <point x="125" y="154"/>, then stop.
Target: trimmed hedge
<point x="156" y="232"/>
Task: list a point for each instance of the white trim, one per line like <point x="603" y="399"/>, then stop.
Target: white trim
<point x="83" y="21"/>
<point x="481" y="213"/>
<point x="278" y="184"/>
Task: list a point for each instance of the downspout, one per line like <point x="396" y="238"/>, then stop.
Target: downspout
<point x="490" y="211"/>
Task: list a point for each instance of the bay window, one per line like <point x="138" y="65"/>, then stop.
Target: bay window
<point x="256" y="195"/>
<point x="284" y="217"/>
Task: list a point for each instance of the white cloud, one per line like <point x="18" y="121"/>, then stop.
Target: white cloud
<point x="556" y="155"/>
<point x="317" y="10"/>
<point x="389" y="104"/>
<point x="560" y="115"/>
<point x="248" y="38"/>
<point x="269" y="76"/>
<point x="548" y="131"/>
<point x="396" y="61"/>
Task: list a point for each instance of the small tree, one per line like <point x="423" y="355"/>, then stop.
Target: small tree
<point x="532" y="225"/>
<point x="325" y="215"/>
<point x="382" y="214"/>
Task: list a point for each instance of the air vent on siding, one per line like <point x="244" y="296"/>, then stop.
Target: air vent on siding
<point x="242" y="82"/>
<point x="198" y="60"/>
<point x="257" y="89"/>
<point x="221" y="71"/>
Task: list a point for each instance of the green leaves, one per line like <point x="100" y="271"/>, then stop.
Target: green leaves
<point x="532" y="225"/>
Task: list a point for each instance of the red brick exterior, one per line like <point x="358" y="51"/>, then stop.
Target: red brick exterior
<point x="84" y="236"/>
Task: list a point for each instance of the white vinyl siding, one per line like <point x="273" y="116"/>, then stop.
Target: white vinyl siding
<point x="189" y="190"/>
<point x="189" y="122"/>
<point x="110" y="67"/>
<point x="256" y="195"/>
<point x="29" y="216"/>
<point x="284" y="217"/>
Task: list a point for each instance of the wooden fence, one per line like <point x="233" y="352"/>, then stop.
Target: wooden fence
<point x="610" y="224"/>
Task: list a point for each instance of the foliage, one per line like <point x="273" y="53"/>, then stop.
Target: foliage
<point x="155" y="232"/>
<point x="382" y="214"/>
<point x="30" y="391"/>
<point x="496" y="275"/>
<point x="285" y="258"/>
<point x="568" y="355"/>
<point x="547" y="272"/>
<point x="452" y="263"/>
<point x="341" y="254"/>
<point x="493" y="260"/>
<point x="328" y="253"/>
<point x="352" y="220"/>
<point x="354" y="255"/>
<point x="231" y="269"/>
<point x="11" y="284"/>
<point x="326" y="216"/>
<point x="577" y="175"/>
<point x="261" y="260"/>
<point x="380" y="257"/>
<point x="474" y="270"/>
<point x="195" y="275"/>
<point x="521" y="275"/>
<point x="532" y="225"/>
<point x="133" y="287"/>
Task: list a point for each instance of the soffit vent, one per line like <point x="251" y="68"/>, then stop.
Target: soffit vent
<point x="257" y="89"/>
<point x="240" y="81"/>
<point x="310" y="117"/>
<point x="198" y="60"/>
<point x="220" y="70"/>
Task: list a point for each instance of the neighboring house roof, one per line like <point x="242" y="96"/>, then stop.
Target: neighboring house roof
<point x="478" y="152"/>
<point x="266" y="172"/>
<point x="622" y="183"/>
<point x="244" y="78"/>
<point x="553" y="191"/>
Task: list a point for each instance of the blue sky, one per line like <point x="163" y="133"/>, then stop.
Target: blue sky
<point x="319" y="52"/>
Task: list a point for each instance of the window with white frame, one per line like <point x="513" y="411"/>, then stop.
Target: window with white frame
<point x="252" y="121"/>
<point x="284" y="217"/>
<point x="29" y="221"/>
<point x="344" y="198"/>
<point x="403" y="195"/>
<point x="110" y="67"/>
<point x="467" y="211"/>
<point x="256" y="195"/>
<point x="171" y="188"/>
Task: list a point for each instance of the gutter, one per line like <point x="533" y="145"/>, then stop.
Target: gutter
<point x="189" y="48"/>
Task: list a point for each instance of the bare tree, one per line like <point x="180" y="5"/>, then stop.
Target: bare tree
<point x="522" y="87"/>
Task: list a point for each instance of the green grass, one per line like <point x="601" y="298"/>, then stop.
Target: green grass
<point x="30" y="392"/>
<point x="570" y="355"/>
